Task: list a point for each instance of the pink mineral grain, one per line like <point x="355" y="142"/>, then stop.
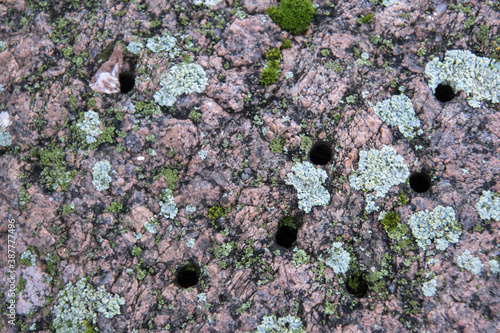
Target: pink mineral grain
<point x="106" y="80"/>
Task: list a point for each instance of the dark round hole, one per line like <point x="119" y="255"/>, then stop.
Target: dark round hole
<point x="420" y="182"/>
<point x="356" y="284"/>
<point x="127" y="82"/>
<point x="320" y="153"/>
<point x="187" y="276"/>
<point x="286" y="236"/>
<point x="444" y="93"/>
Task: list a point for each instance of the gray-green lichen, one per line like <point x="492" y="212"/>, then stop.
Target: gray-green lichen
<point x="488" y="206"/>
<point x="307" y="181"/>
<point x="438" y="225"/>
<point x="90" y="126"/>
<point x="479" y="77"/>
<point x="429" y="287"/>
<point x="398" y="111"/>
<point x="76" y="310"/>
<point x="185" y="78"/>
<point x="167" y="206"/>
<point x="5" y="138"/>
<point x="288" y="324"/>
<point x="338" y="258"/>
<point x="378" y="171"/>
<point x="207" y="3"/>
<point x="467" y="261"/>
<point x="163" y="44"/>
<point x="101" y="178"/>
<point x="135" y="47"/>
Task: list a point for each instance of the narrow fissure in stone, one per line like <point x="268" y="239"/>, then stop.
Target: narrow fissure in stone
<point x="420" y="182"/>
<point x="320" y="153"/>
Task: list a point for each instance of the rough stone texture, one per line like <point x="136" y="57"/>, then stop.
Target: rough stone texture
<point x="323" y="94"/>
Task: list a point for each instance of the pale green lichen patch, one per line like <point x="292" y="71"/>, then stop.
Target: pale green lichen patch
<point x="181" y="79"/>
<point x="163" y="44"/>
<point x="307" y="181"/>
<point x="207" y="3"/>
<point x="378" y="171"/>
<point x="78" y="305"/>
<point x="338" y="258"/>
<point x="467" y="261"/>
<point x="438" y="225"/>
<point x="135" y="47"/>
<point x="488" y="206"/>
<point x="167" y="205"/>
<point x="101" y="178"/>
<point x="494" y="266"/>
<point x="429" y="287"/>
<point x="90" y="126"/>
<point x="398" y="111"/>
<point x="479" y="77"/>
<point x="288" y="324"/>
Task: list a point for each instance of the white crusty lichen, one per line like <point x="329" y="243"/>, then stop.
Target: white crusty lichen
<point x="388" y="3"/>
<point x="167" y="206"/>
<point x="429" y="287"/>
<point x="439" y="225"/>
<point x="90" y="126"/>
<point x="181" y="79"/>
<point x="77" y="307"/>
<point x="494" y="266"/>
<point x="479" y="77"/>
<point x="5" y="138"/>
<point x="163" y="44"/>
<point x="4" y="119"/>
<point x="202" y="154"/>
<point x="467" y="261"/>
<point x="307" y="181"/>
<point x="378" y="171"/>
<point x="398" y="111"/>
<point x="288" y="324"/>
<point x="135" y="47"/>
<point x="28" y="258"/>
<point x="338" y="258"/>
<point x="488" y="206"/>
<point x="101" y="178"/>
<point x="207" y="3"/>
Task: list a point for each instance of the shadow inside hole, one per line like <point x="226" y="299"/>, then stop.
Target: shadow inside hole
<point x="420" y="182"/>
<point x="320" y="153"/>
<point x="286" y="236"/>
<point x="356" y="284"/>
<point x="444" y="93"/>
<point x="127" y="82"/>
<point x="187" y="276"/>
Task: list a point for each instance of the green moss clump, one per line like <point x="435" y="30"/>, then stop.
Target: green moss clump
<point x="286" y="44"/>
<point x="52" y="261"/>
<point x="391" y="224"/>
<point x="288" y="222"/>
<point x="273" y="54"/>
<point x="270" y="74"/>
<point x="294" y="16"/>
<point x="171" y="177"/>
<point x="390" y="220"/>
<point x="217" y="212"/>
<point x="366" y="19"/>
<point x="276" y="145"/>
<point x="136" y="251"/>
<point x="54" y="172"/>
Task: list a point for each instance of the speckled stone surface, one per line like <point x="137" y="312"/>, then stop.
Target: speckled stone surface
<point x="213" y="149"/>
